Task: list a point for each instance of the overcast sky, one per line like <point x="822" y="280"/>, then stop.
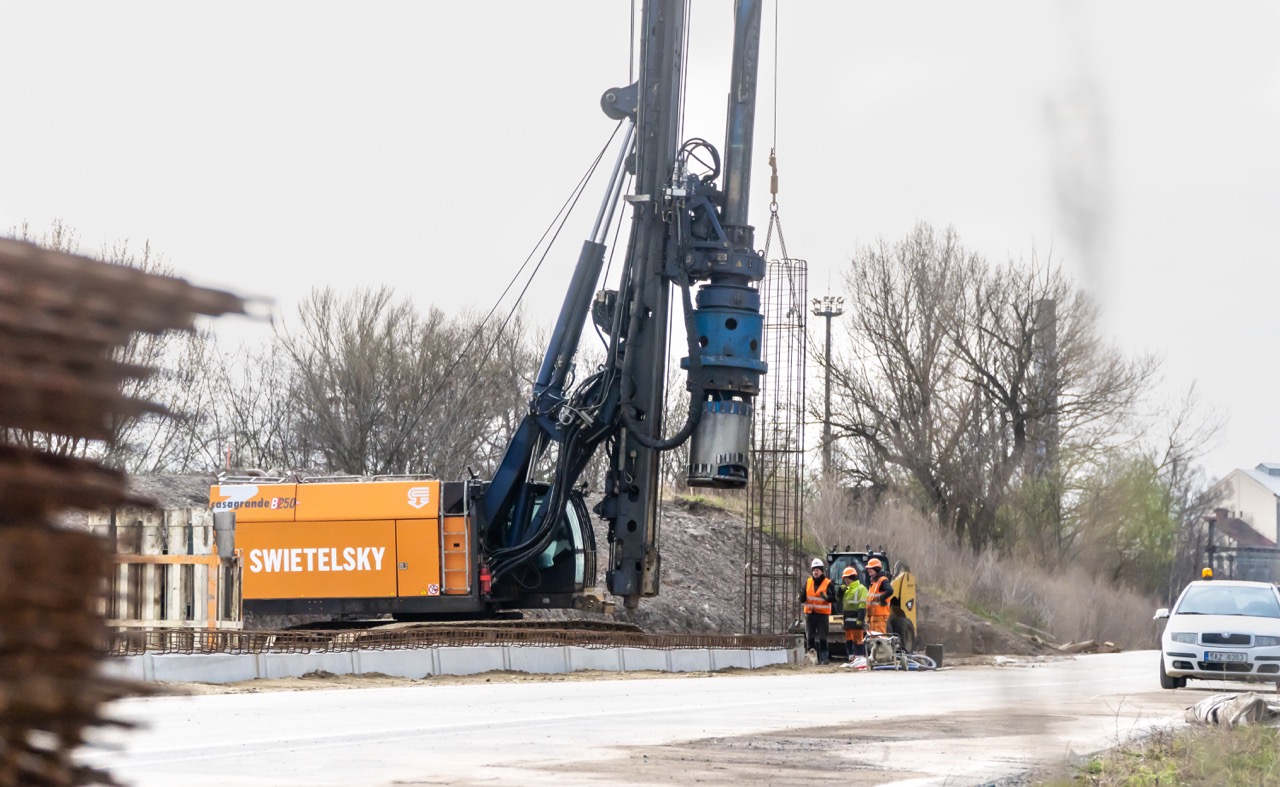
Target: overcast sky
<point x="275" y="147"/>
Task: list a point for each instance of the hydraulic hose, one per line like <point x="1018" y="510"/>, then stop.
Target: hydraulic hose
<point x="695" y="374"/>
<point x="555" y="501"/>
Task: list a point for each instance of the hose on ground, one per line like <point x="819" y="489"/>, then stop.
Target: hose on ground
<point x="913" y="662"/>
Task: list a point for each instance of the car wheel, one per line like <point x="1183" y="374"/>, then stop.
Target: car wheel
<point x="1167" y="682"/>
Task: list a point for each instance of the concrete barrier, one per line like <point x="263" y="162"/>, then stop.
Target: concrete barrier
<point x="416" y="663"/>
<point x="605" y="659"/>
<point x="769" y="658"/>
<point x="420" y="662"/>
<point x="694" y="660"/>
<point x="726" y="659"/>
<point x="538" y="661"/>
<point x="636" y="659"/>
<point x="293" y="665"/>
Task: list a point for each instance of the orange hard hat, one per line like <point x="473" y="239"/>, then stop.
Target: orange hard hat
<point x="875" y="563"/>
<point x="849" y="571"/>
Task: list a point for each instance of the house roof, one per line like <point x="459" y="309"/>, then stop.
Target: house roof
<point x="1242" y="533"/>
<point x="1271" y="482"/>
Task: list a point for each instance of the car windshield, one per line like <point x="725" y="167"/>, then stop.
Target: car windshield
<point x="1258" y="602"/>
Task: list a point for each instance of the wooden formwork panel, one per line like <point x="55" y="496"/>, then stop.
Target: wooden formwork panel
<point x="167" y="572"/>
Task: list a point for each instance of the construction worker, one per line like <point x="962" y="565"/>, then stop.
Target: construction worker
<point x="817" y="595"/>
<point x="879" y="592"/>
<point x="855" y="613"/>
<point x="1207" y="574"/>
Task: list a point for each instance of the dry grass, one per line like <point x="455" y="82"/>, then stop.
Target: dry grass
<point x="732" y="502"/>
<point x="1208" y="756"/>
<point x="1068" y="603"/>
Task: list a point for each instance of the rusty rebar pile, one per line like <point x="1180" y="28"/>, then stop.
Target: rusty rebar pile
<point x="540" y="634"/>
<point x="61" y="319"/>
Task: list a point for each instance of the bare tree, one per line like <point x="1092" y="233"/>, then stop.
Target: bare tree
<point x="487" y="395"/>
<point x="381" y="388"/>
<point x="902" y="408"/>
<point x="1190" y="430"/>
<point x="59" y="237"/>
<point x="1049" y="386"/>
<point x="253" y="421"/>
<point x="153" y="442"/>
<point x="1138" y="514"/>
<point x="953" y="389"/>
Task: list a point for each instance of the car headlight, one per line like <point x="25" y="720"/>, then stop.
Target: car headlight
<point x="1185" y="637"/>
<point x="1266" y="642"/>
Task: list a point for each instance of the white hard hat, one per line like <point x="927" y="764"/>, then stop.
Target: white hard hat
<point x="817" y="563"/>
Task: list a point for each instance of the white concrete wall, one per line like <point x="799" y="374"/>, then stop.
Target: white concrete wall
<point x="422" y="662"/>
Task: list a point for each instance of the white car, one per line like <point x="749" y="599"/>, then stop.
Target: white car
<point x="1221" y="630"/>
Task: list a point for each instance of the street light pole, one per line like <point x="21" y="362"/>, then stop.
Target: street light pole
<point x="827" y="306"/>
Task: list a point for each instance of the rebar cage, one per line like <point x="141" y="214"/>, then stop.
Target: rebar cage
<point x="775" y="511"/>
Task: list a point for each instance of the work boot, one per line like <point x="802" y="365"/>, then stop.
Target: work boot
<point x="824" y="655"/>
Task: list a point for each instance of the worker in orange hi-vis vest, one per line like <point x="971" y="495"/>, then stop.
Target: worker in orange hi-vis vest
<point x="879" y="592"/>
<point x="817" y="595"/>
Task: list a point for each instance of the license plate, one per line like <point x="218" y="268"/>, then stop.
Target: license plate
<point x="1219" y="656"/>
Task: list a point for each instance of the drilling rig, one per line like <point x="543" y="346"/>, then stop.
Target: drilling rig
<point x="419" y="547"/>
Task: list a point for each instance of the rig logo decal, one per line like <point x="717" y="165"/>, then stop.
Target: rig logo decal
<point x="243" y="496"/>
<point x="311" y="559"/>
<point x="419" y="496"/>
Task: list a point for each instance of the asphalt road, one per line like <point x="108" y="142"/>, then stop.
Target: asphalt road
<point x="964" y="726"/>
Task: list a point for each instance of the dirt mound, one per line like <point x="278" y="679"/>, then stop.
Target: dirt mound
<point x="959" y="631"/>
<point x="702" y="581"/>
<point x="174" y="491"/>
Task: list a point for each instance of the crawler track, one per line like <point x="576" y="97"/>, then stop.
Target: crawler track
<point x="396" y="636"/>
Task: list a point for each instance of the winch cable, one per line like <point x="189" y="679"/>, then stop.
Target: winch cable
<point x="553" y="229"/>
<point x="686" y="22"/>
<point x="775" y="221"/>
<point x="474" y="381"/>
<point x="564" y="217"/>
<point x="574" y="447"/>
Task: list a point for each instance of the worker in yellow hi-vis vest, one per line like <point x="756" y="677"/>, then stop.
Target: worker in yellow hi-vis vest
<point x="855" y="611"/>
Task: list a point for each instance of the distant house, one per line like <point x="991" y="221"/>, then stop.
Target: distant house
<point x="1234" y="550"/>
<point x="1254" y="496"/>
